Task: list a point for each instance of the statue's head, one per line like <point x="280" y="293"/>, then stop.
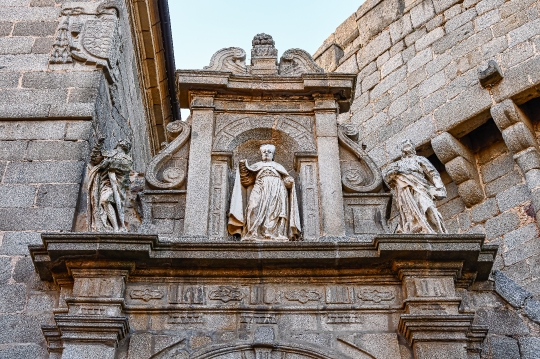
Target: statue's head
<point x="407" y="148"/>
<point x="267" y="152"/>
<point x="125" y="145"/>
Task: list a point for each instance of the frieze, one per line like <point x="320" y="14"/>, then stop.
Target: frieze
<point x="186" y="294"/>
<point x="343" y="318"/>
<point x="226" y="294"/>
<point x="255" y="318"/>
<point x="376" y="295"/>
<point x="185" y="318"/>
<point x="338" y="295"/>
<point x="303" y="296"/>
<point x="146" y="294"/>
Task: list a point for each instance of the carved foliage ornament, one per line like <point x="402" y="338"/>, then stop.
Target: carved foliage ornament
<point x="172" y="177"/>
<point x="87" y="32"/>
<point x="294" y="62"/>
<point x="226" y="293"/>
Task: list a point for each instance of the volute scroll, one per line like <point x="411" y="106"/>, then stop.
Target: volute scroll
<point x="353" y="180"/>
<point x="173" y="177"/>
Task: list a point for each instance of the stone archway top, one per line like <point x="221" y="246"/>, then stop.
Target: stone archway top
<point x="296" y="73"/>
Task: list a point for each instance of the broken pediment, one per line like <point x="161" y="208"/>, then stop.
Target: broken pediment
<point x="294" y="62"/>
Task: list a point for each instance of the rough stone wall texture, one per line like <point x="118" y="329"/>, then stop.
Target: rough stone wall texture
<point x="418" y="64"/>
<point x="50" y="115"/>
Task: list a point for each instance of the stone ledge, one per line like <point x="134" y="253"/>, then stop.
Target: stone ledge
<point x="145" y="251"/>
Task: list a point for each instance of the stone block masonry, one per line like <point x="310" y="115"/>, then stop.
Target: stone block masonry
<point x="50" y="117"/>
<point x="429" y="84"/>
<point x="424" y="82"/>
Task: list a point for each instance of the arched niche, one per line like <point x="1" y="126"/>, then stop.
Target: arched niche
<point x="241" y="139"/>
<point x="240" y="130"/>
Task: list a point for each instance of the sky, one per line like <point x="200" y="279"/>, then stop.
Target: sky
<point x="202" y="27"/>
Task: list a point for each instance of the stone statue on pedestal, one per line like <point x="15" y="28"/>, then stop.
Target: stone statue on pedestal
<point x="415" y="184"/>
<point x="263" y="204"/>
<point x="108" y="184"/>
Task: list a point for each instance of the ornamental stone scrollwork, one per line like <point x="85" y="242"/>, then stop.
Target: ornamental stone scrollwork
<point x="107" y="187"/>
<point x="231" y="59"/>
<point x="271" y="213"/>
<point x="87" y="32"/>
<point x="303" y="296"/>
<point x="146" y="294"/>
<point x="376" y="295"/>
<point x="226" y="293"/>
<point x="367" y="178"/>
<point x="172" y="177"/>
<point x="416" y="184"/>
<point x="294" y="62"/>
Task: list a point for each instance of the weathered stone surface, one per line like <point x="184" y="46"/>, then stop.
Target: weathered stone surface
<point x="504" y="347"/>
<point x="532" y="310"/>
<point x="502" y="321"/>
<point x="509" y="290"/>
<point x="529" y="346"/>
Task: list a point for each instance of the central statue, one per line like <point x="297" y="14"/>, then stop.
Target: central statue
<point x="263" y="203"/>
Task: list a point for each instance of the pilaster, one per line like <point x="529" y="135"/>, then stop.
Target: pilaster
<point x="199" y="167"/>
<point x="331" y="193"/>
<point x="432" y="323"/>
<point x="93" y="322"/>
<point x="306" y="166"/>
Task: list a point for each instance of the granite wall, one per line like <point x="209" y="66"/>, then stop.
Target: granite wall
<point x="421" y="67"/>
<point x="50" y="117"/>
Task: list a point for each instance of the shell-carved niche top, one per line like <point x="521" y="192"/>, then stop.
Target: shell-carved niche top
<point x="294" y="62"/>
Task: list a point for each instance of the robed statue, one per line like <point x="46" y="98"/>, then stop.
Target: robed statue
<point x="264" y="206"/>
<point x="416" y="184"/>
<point x="107" y="187"/>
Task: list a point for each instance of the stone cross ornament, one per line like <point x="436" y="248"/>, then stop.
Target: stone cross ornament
<point x="264" y="206"/>
<point x="416" y="184"/>
<point x="107" y="187"/>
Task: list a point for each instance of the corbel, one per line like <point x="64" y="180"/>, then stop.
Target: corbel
<point x="519" y="136"/>
<point x="461" y="166"/>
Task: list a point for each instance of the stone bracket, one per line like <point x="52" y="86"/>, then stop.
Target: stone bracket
<point x="519" y="136"/>
<point x="461" y="166"/>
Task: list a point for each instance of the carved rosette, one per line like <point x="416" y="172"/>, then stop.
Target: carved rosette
<point x="365" y="179"/>
<point x="172" y="177"/>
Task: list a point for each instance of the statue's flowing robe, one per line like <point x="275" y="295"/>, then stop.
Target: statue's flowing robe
<point x="414" y="194"/>
<point x="265" y="210"/>
<point x="109" y="178"/>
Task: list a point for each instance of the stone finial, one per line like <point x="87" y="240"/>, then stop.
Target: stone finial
<point x="263" y="46"/>
<point x="263" y="55"/>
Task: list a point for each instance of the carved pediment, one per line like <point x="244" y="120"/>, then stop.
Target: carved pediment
<point x="231" y="59"/>
<point x="294" y="62"/>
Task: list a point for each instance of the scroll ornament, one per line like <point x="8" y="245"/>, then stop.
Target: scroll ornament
<point x="172" y="177"/>
<point x="355" y="180"/>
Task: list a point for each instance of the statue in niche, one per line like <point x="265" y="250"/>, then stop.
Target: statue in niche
<point x="108" y="185"/>
<point x="263" y="204"/>
<point x="416" y="184"/>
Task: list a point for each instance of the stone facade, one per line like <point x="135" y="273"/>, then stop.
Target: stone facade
<point x="457" y="78"/>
